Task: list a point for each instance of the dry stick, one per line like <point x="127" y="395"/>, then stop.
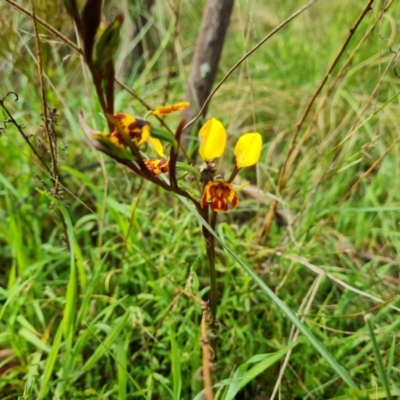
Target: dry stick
<point x="52" y="141"/>
<point x="208" y="392"/>
<point x="209" y="44"/>
<point x="248" y="54"/>
<point x="266" y="228"/>
<point x="11" y="118"/>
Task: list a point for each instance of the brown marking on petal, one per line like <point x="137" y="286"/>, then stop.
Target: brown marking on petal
<point x="132" y="125"/>
<point x="119" y="116"/>
<point x="218" y="194"/>
<point x="156" y="166"/>
<point x="235" y="201"/>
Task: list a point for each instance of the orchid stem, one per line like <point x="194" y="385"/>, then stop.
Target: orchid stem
<point x="213" y="272"/>
<point x="210" y="250"/>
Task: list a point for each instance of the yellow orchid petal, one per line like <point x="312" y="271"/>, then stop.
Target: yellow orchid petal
<point x="163" y="110"/>
<point x="145" y="135"/>
<point x="157" y="146"/>
<point x="248" y="149"/>
<point x="135" y="128"/>
<point x="213" y="139"/>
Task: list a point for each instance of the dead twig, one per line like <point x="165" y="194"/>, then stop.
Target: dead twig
<point x="51" y="137"/>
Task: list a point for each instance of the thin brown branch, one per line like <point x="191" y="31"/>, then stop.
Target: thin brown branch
<point x="266" y="228"/>
<point x="51" y="138"/>
<point x="26" y="138"/>
<point x="248" y="54"/>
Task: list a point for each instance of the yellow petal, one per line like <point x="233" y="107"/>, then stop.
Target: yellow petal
<point x="171" y="108"/>
<point x="145" y="135"/>
<point x="213" y="139"/>
<point x="248" y="149"/>
<point x="157" y="146"/>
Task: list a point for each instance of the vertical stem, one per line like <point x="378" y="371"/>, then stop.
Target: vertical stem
<point x="213" y="276"/>
<point x="210" y="250"/>
<point x="208" y="392"/>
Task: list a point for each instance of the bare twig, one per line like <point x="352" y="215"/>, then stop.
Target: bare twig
<point x="266" y="228"/>
<point x="50" y="135"/>
<point x="21" y="131"/>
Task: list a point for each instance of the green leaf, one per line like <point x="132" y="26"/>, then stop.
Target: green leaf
<point x="164" y="136"/>
<point x="187" y="168"/>
<point x="106" y="146"/>
<point x="378" y="358"/>
<point x="372" y="394"/>
<point x="122" y="364"/>
<point x="108" y="341"/>
<point x="72" y="9"/>
<point x="176" y="365"/>
<point x="33" y="339"/>
<point x="107" y="43"/>
<point x="243" y="376"/>
<point x="281" y="305"/>
<point x="50" y="362"/>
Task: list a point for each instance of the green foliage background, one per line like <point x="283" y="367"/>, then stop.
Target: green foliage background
<point x="129" y="333"/>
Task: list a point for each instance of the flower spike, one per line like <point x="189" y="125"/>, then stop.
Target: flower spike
<point x="213" y="140"/>
<point x="248" y="149"/>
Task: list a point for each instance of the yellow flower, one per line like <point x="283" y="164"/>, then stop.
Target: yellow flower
<point x="218" y="194"/>
<point x="138" y="129"/>
<point x="248" y="149"/>
<point x="213" y="140"/>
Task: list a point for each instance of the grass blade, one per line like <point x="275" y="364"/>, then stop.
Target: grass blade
<point x="50" y="362"/>
<point x="378" y="357"/>
<point x="282" y="306"/>
<point x="243" y="376"/>
<point x="176" y="366"/>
